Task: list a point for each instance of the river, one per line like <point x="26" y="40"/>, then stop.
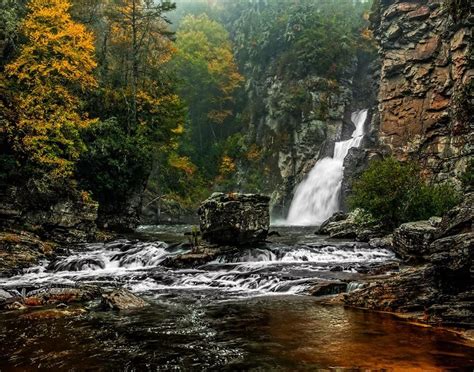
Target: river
<point x="246" y="311"/>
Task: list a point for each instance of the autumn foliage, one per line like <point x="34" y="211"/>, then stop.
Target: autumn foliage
<point x="54" y="67"/>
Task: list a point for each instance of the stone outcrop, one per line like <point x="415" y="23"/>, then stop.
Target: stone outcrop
<point x="235" y="219"/>
<point x="121" y="217"/>
<point x="425" y="96"/>
<point x="350" y="226"/>
<point x="412" y="240"/>
<point x="68" y="219"/>
<point x="19" y="250"/>
<point x="440" y="290"/>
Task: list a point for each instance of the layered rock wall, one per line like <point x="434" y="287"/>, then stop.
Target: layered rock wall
<point x="426" y="97"/>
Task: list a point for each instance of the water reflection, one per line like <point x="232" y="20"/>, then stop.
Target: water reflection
<point x="266" y="333"/>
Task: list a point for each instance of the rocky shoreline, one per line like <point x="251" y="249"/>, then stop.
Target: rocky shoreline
<point x="432" y="284"/>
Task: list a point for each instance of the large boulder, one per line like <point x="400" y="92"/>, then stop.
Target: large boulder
<point x="122" y="299"/>
<point x="355" y="225"/>
<point x="412" y="240"/>
<point x="235" y="219"/>
<point x="459" y="219"/>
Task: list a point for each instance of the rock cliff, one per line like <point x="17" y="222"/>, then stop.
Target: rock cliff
<point x="425" y="96"/>
<point x="296" y="122"/>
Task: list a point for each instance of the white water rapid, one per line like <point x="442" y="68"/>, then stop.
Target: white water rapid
<point x="317" y="196"/>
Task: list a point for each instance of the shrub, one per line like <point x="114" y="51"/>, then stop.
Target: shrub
<point x="394" y="193"/>
<point x="467" y="177"/>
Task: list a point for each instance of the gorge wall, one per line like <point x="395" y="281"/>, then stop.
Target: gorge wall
<point x="425" y="99"/>
<point x="296" y="121"/>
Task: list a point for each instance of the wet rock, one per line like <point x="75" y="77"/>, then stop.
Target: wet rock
<point x="336" y="217"/>
<point x="379" y="268"/>
<point x="327" y="288"/>
<point x="413" y="290"/>
<point x="19" y="250"/>
<point x="350" y="226"/>
<point x="53" y="314"/>
<point x="412" y="240"/>
<point x="441" y="291"/>
<point x="122" y="299"/>
<point x="386" y="242"/>
<point x="235" y="219"/>
<point x="4" y="295"/>
<point x="454" y="256"/>
<point x="340" y="228"/>
<point x="56" y="295"/>
<point x="201" y="255"/>
<point x="16" y="305"/>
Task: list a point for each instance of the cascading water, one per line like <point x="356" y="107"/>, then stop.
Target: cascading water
<point x="317" y="197"/>
<point x="140" y="266"/>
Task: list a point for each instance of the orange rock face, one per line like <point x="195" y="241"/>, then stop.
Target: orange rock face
<point x="425" y="71"/>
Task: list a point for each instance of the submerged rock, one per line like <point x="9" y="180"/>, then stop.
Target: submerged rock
<point x="122" y="299"/>
<point x="235" y="219"/>
<point x="53" y="314"/>
<point x="58" y="295"/>
<point x="327" y="288"/>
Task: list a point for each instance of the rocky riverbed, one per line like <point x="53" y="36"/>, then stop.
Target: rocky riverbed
<point x="255" y="307"/>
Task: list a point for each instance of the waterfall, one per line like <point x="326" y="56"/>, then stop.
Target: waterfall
<point x="317" y="196"/>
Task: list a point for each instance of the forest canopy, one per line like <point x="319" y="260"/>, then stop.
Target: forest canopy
<point x="112" y="98"/>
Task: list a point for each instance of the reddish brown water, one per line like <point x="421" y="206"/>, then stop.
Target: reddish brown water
<point x="267" y="333"/>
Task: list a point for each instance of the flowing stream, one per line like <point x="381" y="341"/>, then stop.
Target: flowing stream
<point x="242" y="311"/>
<point x="317" y="196"/>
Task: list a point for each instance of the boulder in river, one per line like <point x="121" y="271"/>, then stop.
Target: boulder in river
<point x="235" y="219"/>
<point x="61" y="295"/>
<point x="122" y="299"/>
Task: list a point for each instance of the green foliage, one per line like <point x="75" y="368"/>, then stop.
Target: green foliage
<point x="11" y="13"/>
<point x="467" y="177"/>
<point x="300" y="37"/>
<point x="393" y="193"/>
<point x="209" y="79"/>
<point x="362" y="218"/>
<point x="115" y="164"/>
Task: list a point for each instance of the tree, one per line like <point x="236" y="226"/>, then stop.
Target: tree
<point x="54" y="67"/>
<point x="138" y="33"/>
<point x="205" y="64"/>
<point x="141" y="116"/>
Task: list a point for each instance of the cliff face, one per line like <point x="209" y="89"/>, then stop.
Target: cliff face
<point x="425" y="96"/>
<point x="296" y="121"/>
